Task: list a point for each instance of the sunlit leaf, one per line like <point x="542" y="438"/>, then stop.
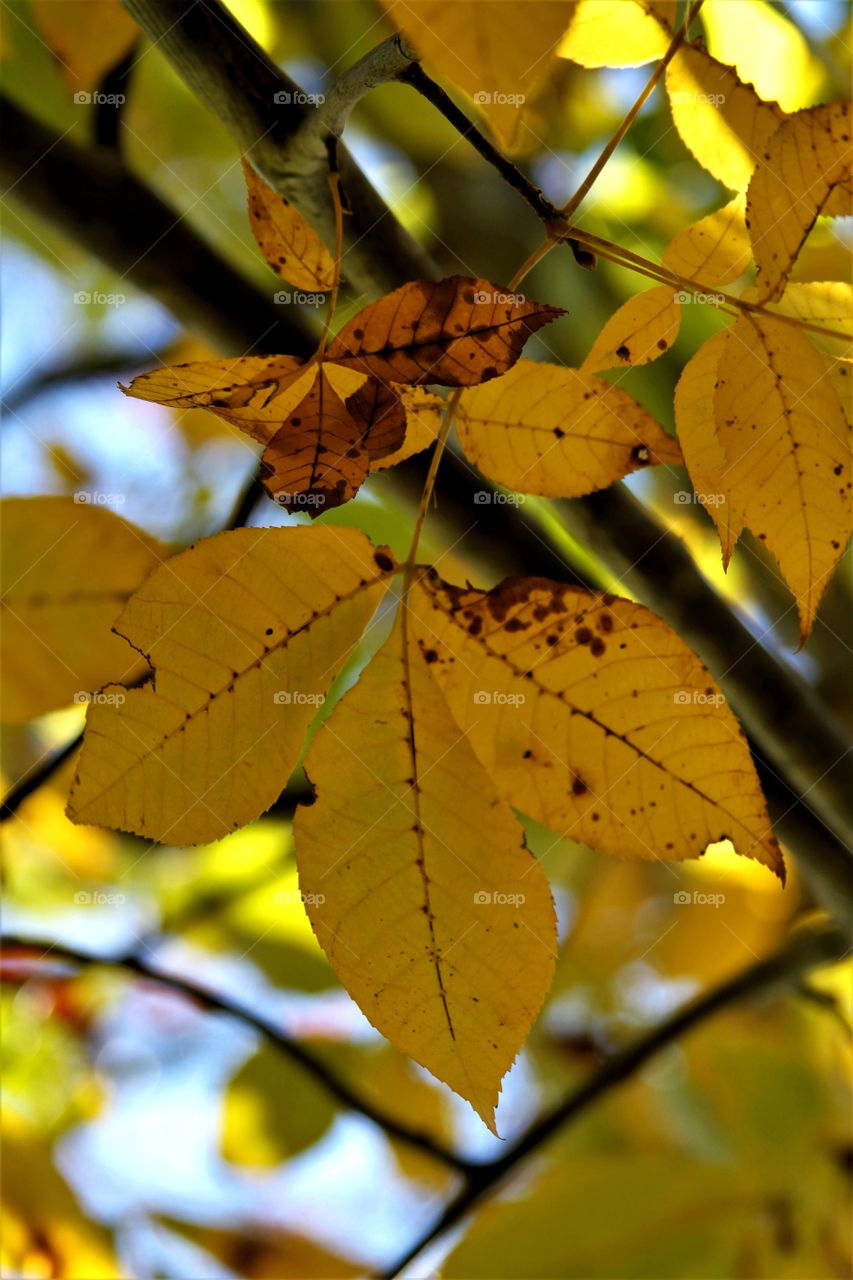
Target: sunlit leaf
<point x="723" y="121"/>
<point x="619" y="33"/>
<point x="765" y="48"/>
<point x="86" y="39"/>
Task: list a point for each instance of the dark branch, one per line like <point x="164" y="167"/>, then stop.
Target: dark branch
<point x="804" y="950"/>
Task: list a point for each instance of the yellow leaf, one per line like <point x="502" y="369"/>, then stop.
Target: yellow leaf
<point x="499" y="52"/>
<point x="703" y="454"/>
<point x="264" y="1251"/>
<point x="765" y="48"/>
<point x="641" y="330"/>
<point x="721" y="120"/>
<point x="554" y="431"/>
<point x="68" y="567"/>
<point x="291" y="247"/>
<point x="435" y="916"/>
<point x="86" y="39"/>
<point x="804" y="170"/>
<point x="424" y="412"/>
<point x="619" y="33"/>
<point x="594" y="718"/>
<point x="783" y="431"/>
<point x="715" y="250"/>
<point x="246" y="631"/>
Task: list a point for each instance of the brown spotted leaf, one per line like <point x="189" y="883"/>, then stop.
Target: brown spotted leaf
<point x="437" y="919"/>
<point x="316" y="459"/>
<point x="291" y="247"/>
<point x="424" y="413"/>
<point x="458" y="332"/>
<point x="593" y="717"/>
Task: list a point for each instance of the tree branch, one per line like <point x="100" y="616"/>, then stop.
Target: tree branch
<point x="339" y="1089"/>
<point x="806" y="949"/>
<point x="265" y="111"/>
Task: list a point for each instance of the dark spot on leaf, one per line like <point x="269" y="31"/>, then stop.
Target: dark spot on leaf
<point x="385" y="563"/>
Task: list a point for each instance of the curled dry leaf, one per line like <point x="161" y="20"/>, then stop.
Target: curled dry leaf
<point x="255" y="393"/>
<point x="786" y="441"/>
<point x="424" y="412"/>
<point x="722" y="120"/>
<point x="290" y="245"/>
<point x="245" y="631"/>
<point x="316" y="459"/>
<point x="549" y="430"/>
<point x="459" y="332"/>
<point x="593" y="717"/>
<point x="641" y="330"/>
<point x="804" y="170"/>
<point x="437" y="919"/>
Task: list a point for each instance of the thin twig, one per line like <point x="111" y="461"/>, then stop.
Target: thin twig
<point x="803" y="951"/>
<point x="291" y="1048"/>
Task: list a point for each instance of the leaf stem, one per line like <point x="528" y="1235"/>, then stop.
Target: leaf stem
<point x="429" y="485"/>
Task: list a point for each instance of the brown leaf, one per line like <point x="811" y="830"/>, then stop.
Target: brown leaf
<point x="459" y="332"/>
<point x="315" y="461"/>
<point x="379" y="414"/>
